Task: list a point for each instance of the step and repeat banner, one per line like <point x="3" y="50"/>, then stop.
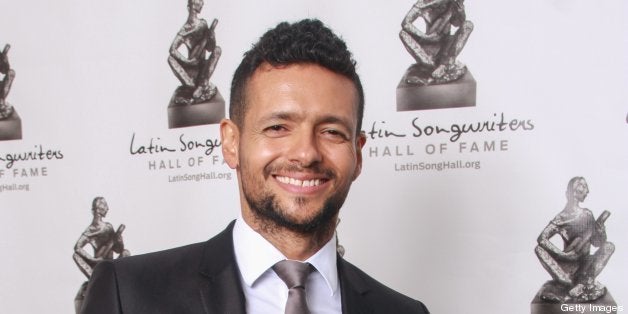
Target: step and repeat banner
<point x="494" y="128"/>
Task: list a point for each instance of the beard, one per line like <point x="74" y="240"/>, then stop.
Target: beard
<point x="272" y="215"/>
<point x="268" y="211"/>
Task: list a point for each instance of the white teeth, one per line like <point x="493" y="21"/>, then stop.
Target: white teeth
<point x="296" y="182"/>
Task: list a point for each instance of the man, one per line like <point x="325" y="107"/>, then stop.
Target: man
<point x="574" y="269"/>
<point x="195" y="69"/>
<point x="435" y="49"/>
<point x="294" y="140"/>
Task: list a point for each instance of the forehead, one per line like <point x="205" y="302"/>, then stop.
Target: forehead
<point x="308" y="87"/>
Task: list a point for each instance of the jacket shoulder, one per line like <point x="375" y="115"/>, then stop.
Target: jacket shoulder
<point x="188" y="259"/>
<point x="167" y="281"/>
<point x="158" y="261"/>
<point x="380" y="298"/>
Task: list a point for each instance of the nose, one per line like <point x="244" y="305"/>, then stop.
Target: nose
<point x="305" y="150"/>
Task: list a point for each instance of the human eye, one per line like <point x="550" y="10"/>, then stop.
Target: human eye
<point x="275" y="130"/>
<point x="336" y="134"/>
<point x="276" y="127"/>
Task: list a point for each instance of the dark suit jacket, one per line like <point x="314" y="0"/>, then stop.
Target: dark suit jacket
<point x="204" y="278"/>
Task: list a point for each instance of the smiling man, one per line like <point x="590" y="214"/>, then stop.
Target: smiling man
<point x="295" y="141"/>
<point x="296" y="151"/>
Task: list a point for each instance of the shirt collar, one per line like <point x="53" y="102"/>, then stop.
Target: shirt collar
<point x="255" y="256"/>
<point x="325" y="263"/>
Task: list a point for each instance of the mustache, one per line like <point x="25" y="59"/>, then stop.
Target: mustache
<point x="316" y="169"/>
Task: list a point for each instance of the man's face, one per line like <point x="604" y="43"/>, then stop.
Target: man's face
<point x="298" y="149"/>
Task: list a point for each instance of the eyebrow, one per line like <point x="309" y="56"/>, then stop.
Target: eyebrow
<point x="281" y="115"/>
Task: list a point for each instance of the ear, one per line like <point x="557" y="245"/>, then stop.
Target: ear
<point x="230" y="138"/>
<point x="359" y="144"/>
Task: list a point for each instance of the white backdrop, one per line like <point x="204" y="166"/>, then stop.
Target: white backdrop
<point x="91" y="74"/>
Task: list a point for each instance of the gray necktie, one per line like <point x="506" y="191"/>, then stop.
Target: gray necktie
<point x="294" y="274"/>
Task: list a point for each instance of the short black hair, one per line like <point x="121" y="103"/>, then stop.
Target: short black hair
<point x="305" y="41"/>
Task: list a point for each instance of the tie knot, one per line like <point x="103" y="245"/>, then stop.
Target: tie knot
<point x="293" y="273"/>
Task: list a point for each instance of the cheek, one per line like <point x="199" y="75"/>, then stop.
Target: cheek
<point x="343" y="160"/>
<point x="258" y="154"/>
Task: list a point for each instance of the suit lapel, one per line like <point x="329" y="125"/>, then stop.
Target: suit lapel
<point x="220" y="288"/>
<point x="221" y="291"/>
<point x="353" y="290"/>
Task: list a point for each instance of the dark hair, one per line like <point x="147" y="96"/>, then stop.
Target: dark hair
<point x="306" y="41"/>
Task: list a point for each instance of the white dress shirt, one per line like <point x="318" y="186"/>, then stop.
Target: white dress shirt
<point x="265" y="292"/>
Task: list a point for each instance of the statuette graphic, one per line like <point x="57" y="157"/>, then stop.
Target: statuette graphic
<point x="105" y="242"/>
<point x="10" y="123"/>
<point x="193" y="58"/>
<point x="573" y="267"/>
<point x="437" y="79"/>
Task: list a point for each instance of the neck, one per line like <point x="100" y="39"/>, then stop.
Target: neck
<point x="293" y="245"/>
